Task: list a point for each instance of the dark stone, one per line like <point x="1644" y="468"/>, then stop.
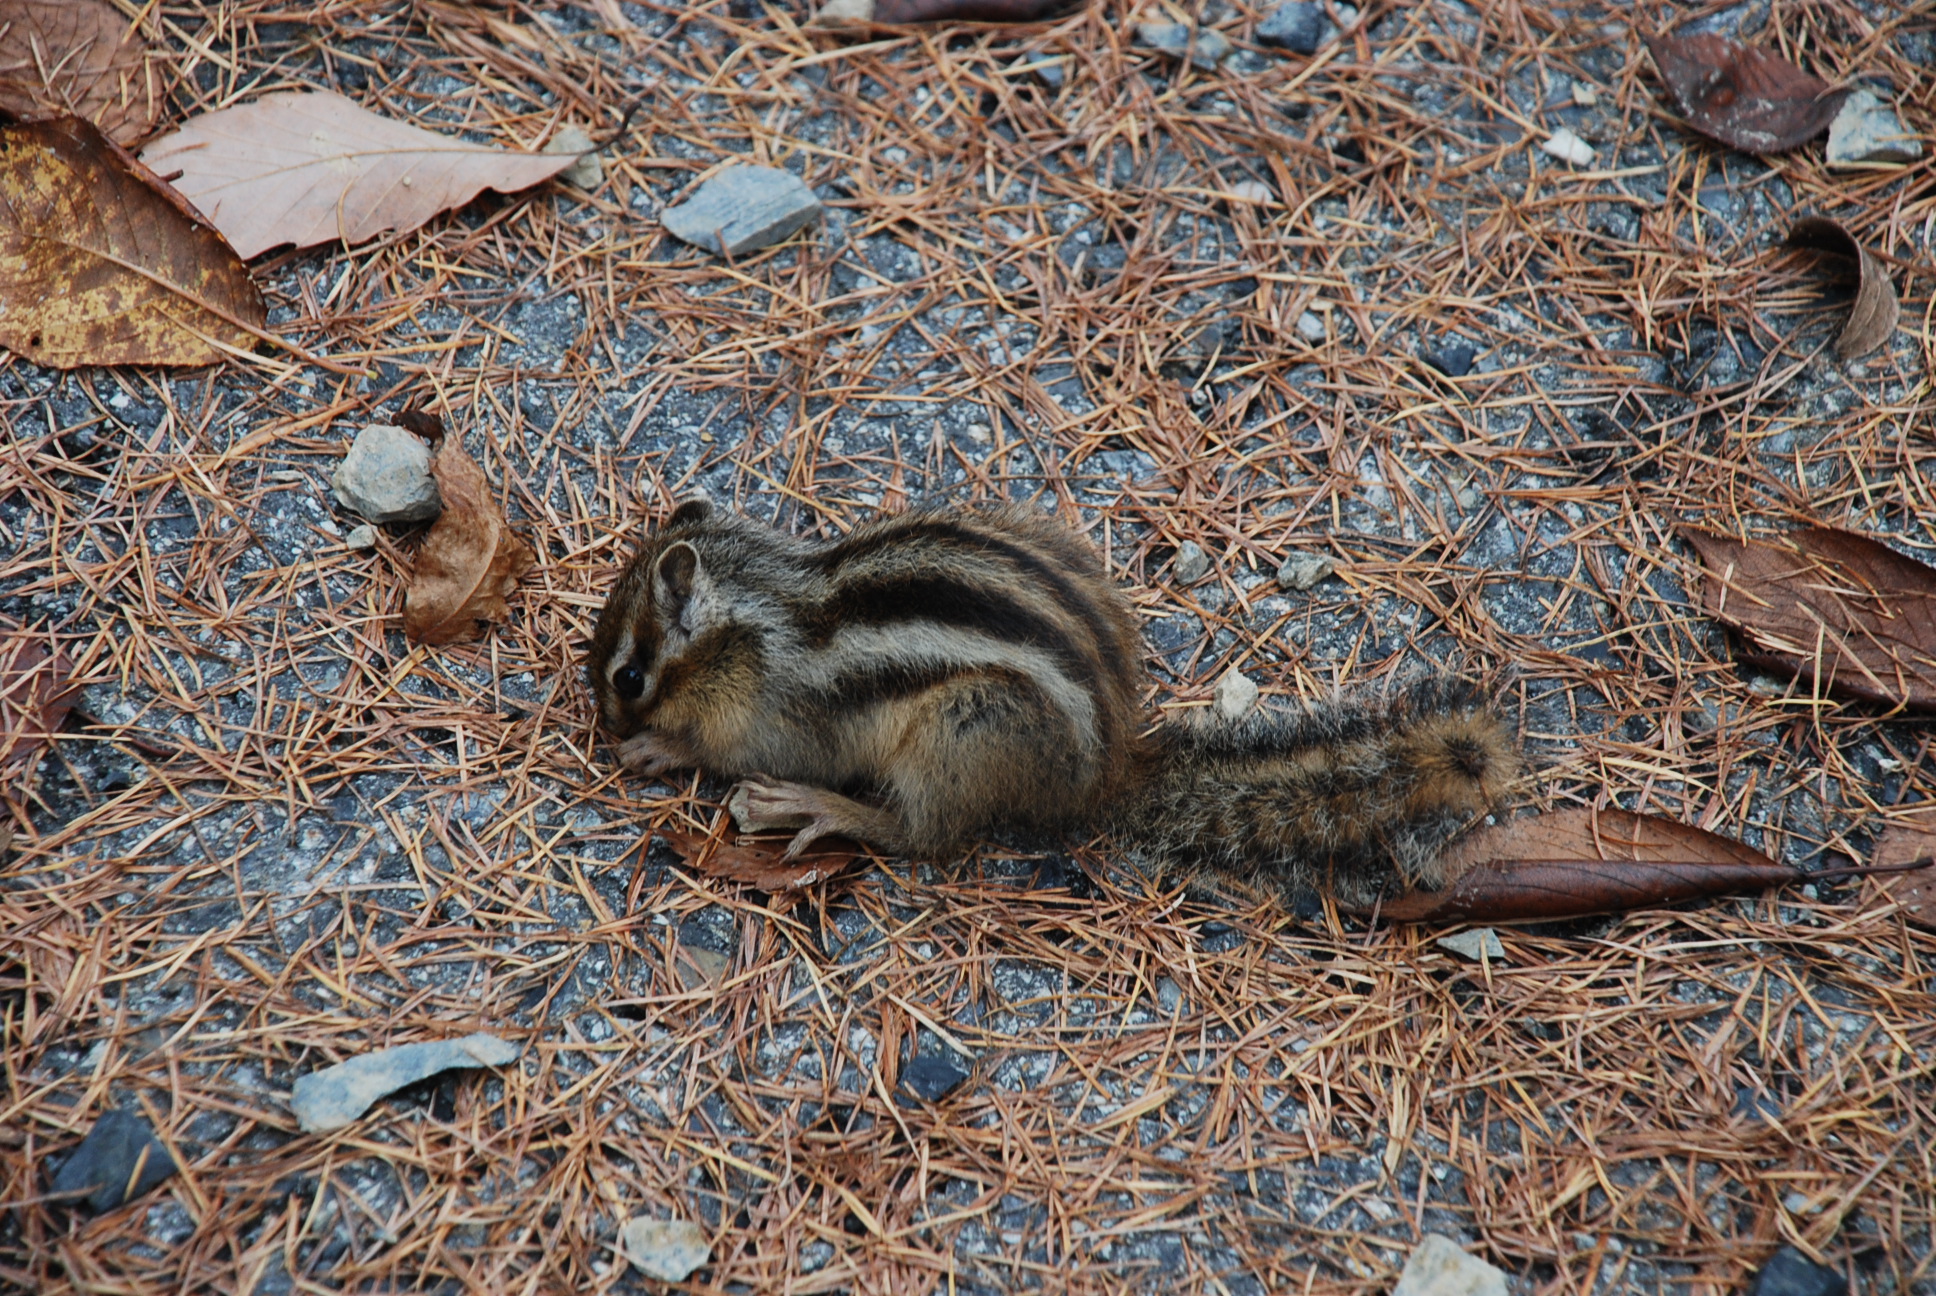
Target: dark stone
<point x="930" y="1079"/>
<point x="1297" y="25"/>
<point x="1453" y="359"/>
<point x="1790" y="1273"/>
<point x="105" y="1161"/>
<point x="1755" y="1104"/>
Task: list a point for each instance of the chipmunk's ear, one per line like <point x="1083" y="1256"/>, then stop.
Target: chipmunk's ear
<point x="694" y="510"/>
<point x="678" y="582"/>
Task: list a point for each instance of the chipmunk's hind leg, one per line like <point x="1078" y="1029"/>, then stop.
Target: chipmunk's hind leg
<point x="760" y="804"/>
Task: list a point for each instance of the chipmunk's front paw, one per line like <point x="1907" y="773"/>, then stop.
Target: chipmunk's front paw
<point x="762" y="805"/>
<point x="651" y="754"/>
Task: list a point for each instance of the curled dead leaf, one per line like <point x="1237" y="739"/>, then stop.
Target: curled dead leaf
<point x="1828" y="606"/>
<point x="310" y="166"/>
<point x="1903" y="844"/>
<point x="36" y="695"/>
<point x="81" y="57"/>
<point x="101" y="263"/>
<point x="759" y="862"/>
<point x="470" y="560"/>
<point x="1872" y="320"/>
<point x="1743" y="96"/>
<point x="1577" y="862"/>
<point x="837" y="13"/>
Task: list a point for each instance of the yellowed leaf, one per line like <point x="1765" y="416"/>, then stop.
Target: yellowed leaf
<point x="78" y="56"/>
<point x="470" y="560"/>
<point x="310" y="166"/>
<point x="100" y="263"/>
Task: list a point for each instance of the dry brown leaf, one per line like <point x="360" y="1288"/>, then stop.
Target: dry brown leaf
<point x="1743" y="96"/>
<point x="760" y="862"/>
<point x="78" y="56"/>
<point x="309" y="166"/>
<point x="1902" y="844"/>
<point x="101" y="263"/>
<point x="1830" y="606"/>
<point x="1872" y="320"/>
<point x="470" y="560"/>
<point x="35" y="696"/>
<point x="1577" y="862"/>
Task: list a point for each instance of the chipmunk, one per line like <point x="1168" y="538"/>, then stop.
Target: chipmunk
<point x="936" y="675"/>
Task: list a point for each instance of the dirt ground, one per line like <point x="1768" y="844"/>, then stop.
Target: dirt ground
<point x="1171" y="304"/>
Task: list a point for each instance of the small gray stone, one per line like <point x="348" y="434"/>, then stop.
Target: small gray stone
<point x="1191" y="565"/>
<point x="362" y="537"/>
<point x="930" y="1079"/>
<point x="1866" y="131"/>
<point x="1476" y="944"/>
<point x="748" y="207"/>
<point x="1790" y="1273"/>
<point x="1169" y="995"/>
<point x="1298" y="26"/>
<point x="105" y="1161"/>
<point x="1301" y="571"/>
<point x="664" y="1250"/>
<point x="386" y="477"/>
<point x="1235" y="696"/>
<point x="1440" y="1267"/>
<point x="334" y="1096"/>
<point x="587" y="172"/>
<point x="1311" y="327"/>
<point x="1206" y="50"/>
<point x="1051" y="72"/>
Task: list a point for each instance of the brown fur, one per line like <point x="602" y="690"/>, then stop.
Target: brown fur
<point x="941" y="674"/>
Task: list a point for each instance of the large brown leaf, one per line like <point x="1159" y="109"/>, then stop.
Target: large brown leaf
<point x="77" y="56"/>
<point x="309" y="166"/>
<point x="469" y="561"/>
<point x="35" y="697"/>
<point x="1872" y="320"/>
<point x="1577" y="862"/>
<point x="1828" y="606"/>
<point x="100" y="263"/>
<point x="1745" y="97"/>
<point x="1904" y="844"/>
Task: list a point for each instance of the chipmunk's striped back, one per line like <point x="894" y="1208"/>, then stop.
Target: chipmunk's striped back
<point x="977" y="668"/>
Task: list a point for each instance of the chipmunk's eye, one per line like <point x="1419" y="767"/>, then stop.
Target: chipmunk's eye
<point x="629" y="680"/>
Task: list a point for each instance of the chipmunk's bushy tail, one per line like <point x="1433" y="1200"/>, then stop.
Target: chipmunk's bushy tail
<point x="1343" y="797"/>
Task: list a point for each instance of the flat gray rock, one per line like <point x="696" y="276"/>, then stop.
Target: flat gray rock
<point x="1477" y="944"/>
<point x="386" y="477"/>
<point x="743" y="209"/>
<point x="333" y="1097"/>
<point x="120" y="1158"/>
<point x="1301" y="571"/>
<point x="1440" y="1267"/>
<point x="1235" y="695"/>
<point x="588" y="172"/>
<point x="1296" y="25"/>
<point x="1192" y="564"/>
<point x="1866" y="131"/>
<point x="1209" y="48"/>
<point x="664" y="1250"/>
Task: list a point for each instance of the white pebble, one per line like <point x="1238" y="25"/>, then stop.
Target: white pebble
<point x="1568" y="147"/>
<point x="1235" y="696"/>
